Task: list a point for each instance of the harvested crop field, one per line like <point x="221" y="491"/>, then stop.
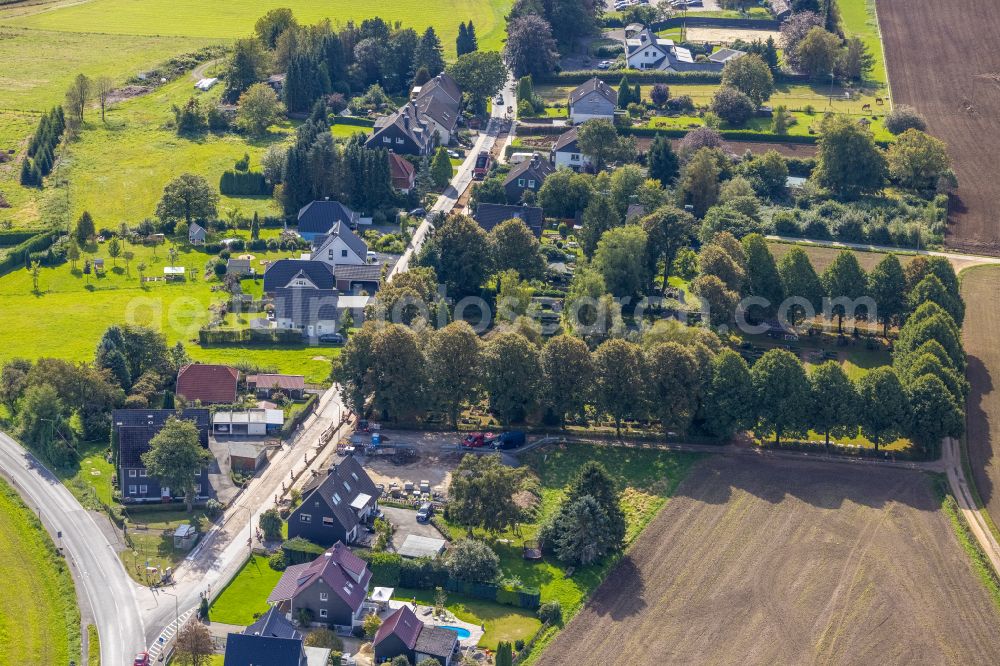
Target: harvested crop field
<point x="981" y="336"/>
<point x="768" y="561"/>
<point x="941" y="60"/>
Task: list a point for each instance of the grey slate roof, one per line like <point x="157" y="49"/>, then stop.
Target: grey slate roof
<point x="196" y="232"/>
<point x="358" y="272"/>
<point x="306" y="306"/>
<point x="342" y="231"/>
<point x="436" y="641"/>
<point x="567" y="142"/>
<point x="280" y="273"/>
<point x="347" y="480"/>
<point x="318" y="217"/>
<point x="538" y="169"/>
<point x="246" y="650"/>
<point x="156" y="418"/>
<point x="238" y="267"/>
<point x="489" y="215"/>
<point x="273" y="624"/>
<point x="409" y="119"/>
<point x="334" y="567"/>
<point x="593" y="85"/>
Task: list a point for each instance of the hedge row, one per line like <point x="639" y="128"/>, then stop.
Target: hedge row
<point x="17" y="255"/>
<point x="8" y="238"/>
<point x="734" y="135"/>
<point x="289" y="427"/>
<point x="356" y="122"/>
<point x="244" y="183"/>
<point x="392" y="570"/>
<point x="216" y="336"/>
<point x="614" y="77"/>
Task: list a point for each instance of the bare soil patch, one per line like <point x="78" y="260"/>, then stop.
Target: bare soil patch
<point x="981" y="336"/>
<point x="941" y="60"/>
<point x="764" y="561"/>
<point x="729" y="35"/>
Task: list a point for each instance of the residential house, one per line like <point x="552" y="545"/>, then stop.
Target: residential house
<point x="319" y="217"/>
<point x="405" y="131"/>
<point x="197" y="234"/>
<point x="489" y="215"/>
<point x="277" y="82"/>
<point x="271" y="640"/>
<point x="592" y="99"/>
<point x="298" y="274"/>
<point x="354" y="279"/>
<point x="566" y="152"/>
<point x="316" y="312"/>
<point x="265" y="386"/>
<point x="208" y="384"/>
<point x="647" y="50"/>
<point x="402" y="633"/>
<point x="339" y="246"/>
<point x="634" y="212"/>
<point x="528" y="175"/>
<point x="329" y="591"/>
<point x="440" y="104"/>
<point x="132" y="430"/>
<point x="334" y="507"/>
<point x="402" y="173"/>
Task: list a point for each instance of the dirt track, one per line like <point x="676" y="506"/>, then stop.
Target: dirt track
<point x="780" y="562"/>
<point x="937" y="53"/>
<point x="981" y="337"/>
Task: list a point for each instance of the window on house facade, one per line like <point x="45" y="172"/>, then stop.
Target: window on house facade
<point x="399" y="141"/>
<point x="323" y="596"/>
<point x="386" y="139"/>
<point x="131" y="473"/>
<point x="531" y="183"/>
<point x="143" y="473"/>
<point x="322" y="612"/>
<point x="328" y="522"/>
<point x="520" y="182"/>
<point x="143" y="490"/>
<point x="575" y="157"/>
<point x="305" y="518"/>
<point x="343" y="253"/>
<point x="131" y="490"/>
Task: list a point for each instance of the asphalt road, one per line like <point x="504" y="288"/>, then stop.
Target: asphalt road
<point x="99" y="574"/>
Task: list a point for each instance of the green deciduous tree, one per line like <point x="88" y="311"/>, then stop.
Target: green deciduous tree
<point x="673" y="385"/>
<point x="481" y="494"/>
<point x="763" y="279"/>
<point x="514" y="247"/>
<point x="567" y="375"/>
<point x="728" y="405"/>
<point x="480" y="75"/>
<point x="700" y="181"/>
<point x="833" y="400"/>
<point x="817" y="53"/>
<point x="849" y="163"/>
<point x="599" y="216"/>
<point x="781" y="394"/>
<point x="259" y="108"/>
<point x="751" y="76"/>
<point x="887" y="287"/>
<point x="398" y="372"/>
<point x="619" y="259"/>
<point x="187" y="197"/>
<point x="884" y="407"/>
<point x="618" y="367"/>
<point x="511" y="375"/>
<point x="799" y="279"/>
<point x="918" y="161"/>
<point x="732" y="105"/>
<point x="176" y="457"/>
<point x="464" y="260"/>
<point x="530" y="47"/>
<point x="452" y="366"/>
<point x="934" y="413"/>
<point x="844" y="279"/>
<point x="472" y="561"/>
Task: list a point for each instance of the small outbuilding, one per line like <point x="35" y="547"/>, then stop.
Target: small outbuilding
<point x="252" y="422"/>
<point x="185" y="537"/>
<point x="265" y="386"/>
<point x="416" y="546"/>
<point x="173" y="273"/>
<point x="248" y="456"/>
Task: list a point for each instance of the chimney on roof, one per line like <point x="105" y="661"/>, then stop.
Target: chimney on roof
<point x="535" y="160"/>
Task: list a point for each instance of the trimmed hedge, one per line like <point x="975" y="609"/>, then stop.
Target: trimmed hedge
<point x="351" y="120"/>
<point x="216" y="336"/>
<point x="614" y="77"/>
<point x="244" y="183"/>
<point x="289" y="426"/>
<point x="17" y="256"/>
<point x="735" y="135"/>
<point x="299" y="550"/>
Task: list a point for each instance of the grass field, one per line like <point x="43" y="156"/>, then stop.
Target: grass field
<point x="191" y="18"/>
<point x="39" y="619"/>
<point x="246" y="595"/>
<point x="758" y="561"/>
<point x="858" y="18"/>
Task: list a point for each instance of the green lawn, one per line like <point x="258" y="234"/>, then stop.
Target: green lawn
<point x="39" y="618"/>
<point x="646" y="477"/>
<point x="502" y="623"/>
<point x="192" y="18"/>
<point x="858" y="17"/>
<point x="245" y="596"/>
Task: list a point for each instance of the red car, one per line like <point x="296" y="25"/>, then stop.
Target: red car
<point x="475" y="440"/>
<point x="141" y="659"/>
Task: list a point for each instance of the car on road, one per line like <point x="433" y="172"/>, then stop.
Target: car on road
<point x="418" y="212"/>
<point x="474" y="440"/>
<point x="604" y="64"/>
<point x="425" y="512"/>
<point x="498" y="100"/>
<point x="141" y="659"/>
<point x="332" y="338"/>
<point x="513" y="439"/>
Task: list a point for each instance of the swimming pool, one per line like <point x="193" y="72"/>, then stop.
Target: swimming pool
<point x="462" y="632"/>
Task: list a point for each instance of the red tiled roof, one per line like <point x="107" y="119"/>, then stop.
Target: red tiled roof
<point x="403" y="624"/>
<point x="207" y="383"/>
<point x="283" y="382"/>
<point x="401" y="171"/>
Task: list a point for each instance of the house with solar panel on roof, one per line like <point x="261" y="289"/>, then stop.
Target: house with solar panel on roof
<point x="644" y="49"/>
<point x="335" y="506"/>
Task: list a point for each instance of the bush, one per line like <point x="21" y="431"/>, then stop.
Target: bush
<point x="278" y="560"/>
<point x="550" y="612"/>
<point x="299" y="550"/>
<point x="324" y="638"/>
<point x="213" y="508"/>
<point x="732" y="105"/>
<point x="473" y="561"/>
<point x="904" y="117"/>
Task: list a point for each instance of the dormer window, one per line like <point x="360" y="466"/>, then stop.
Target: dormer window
<point x="336" y="498"/>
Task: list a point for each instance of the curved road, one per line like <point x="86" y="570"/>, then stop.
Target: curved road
<point x="99" y="574"/>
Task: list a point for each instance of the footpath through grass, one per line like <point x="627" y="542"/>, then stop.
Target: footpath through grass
<point x="39" y="618"/>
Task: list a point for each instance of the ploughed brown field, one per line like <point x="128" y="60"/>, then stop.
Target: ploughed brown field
<point x="771" y="561"/>
<point x="942" y="59"/>
<point x="981" y="338"/>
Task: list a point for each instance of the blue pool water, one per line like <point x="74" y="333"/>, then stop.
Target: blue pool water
<point x="462" y="632"/>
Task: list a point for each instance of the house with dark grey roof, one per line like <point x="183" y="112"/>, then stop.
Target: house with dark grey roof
<point x="592" y="99"/>
<point x="132" y="430"/>
<point x="250" y="650"/>
<point x="528" y="175"/>
<point x="338" y="246"/>
<point x="402" y="633"/>
<point x="566" y="152"/>
<point x="330" y="590"/>
<point x="313" y="311"/>
<point x="355" y="278"/>
<point x="274" y="625"/>
<point x="489" y="215"/>
<point x="319" y="217"/>
<point x="298" y="274"/>
<point x="406" y="131"/>
<point x="440" y="102"/>
<point x="241" y="268"/>
<point x="334" y="507"/>
<point x="724" y="55"/>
